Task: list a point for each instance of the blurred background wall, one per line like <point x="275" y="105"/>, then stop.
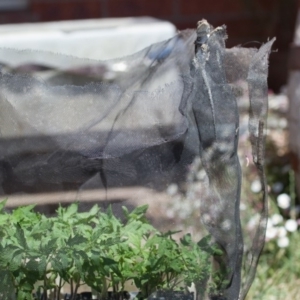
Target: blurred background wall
<point x="247" y="20"/>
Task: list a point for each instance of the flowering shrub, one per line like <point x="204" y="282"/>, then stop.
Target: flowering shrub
<point x="279" y="270"/>
<point x="279" y="229"/>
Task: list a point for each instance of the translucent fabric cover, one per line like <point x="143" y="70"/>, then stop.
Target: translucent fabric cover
<point x="173" y="102"/>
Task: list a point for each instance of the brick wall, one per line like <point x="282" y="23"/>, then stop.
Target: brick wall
<point x="65" y="9"/>
<point x="246" y="20"/>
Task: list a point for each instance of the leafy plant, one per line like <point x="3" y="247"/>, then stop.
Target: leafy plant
<point x="40" y="254"/>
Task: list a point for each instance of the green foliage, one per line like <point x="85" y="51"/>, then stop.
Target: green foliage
<point x="278" y="272"/>
<point x="97" y="249"/>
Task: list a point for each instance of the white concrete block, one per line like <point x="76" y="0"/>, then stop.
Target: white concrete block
<point x="99" y="39"/>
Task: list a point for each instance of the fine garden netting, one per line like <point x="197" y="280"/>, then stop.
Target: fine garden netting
<point x="182" y="123"/>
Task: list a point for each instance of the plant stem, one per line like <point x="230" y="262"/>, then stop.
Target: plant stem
<point x="59" y="288"/>
<point x="45" y="296"/>
<point x="74" y="295"/>
<point x="71" y="286"/>
<point x="115" y="291"/>
<point x="104" y="289"/>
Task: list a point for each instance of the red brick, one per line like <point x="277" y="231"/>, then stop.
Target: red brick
<point x="66" y="10"/>
<point x="265" y="4"/>
<point x="194" y="7"/>
<point x="244" y="28"/>
<point x="127" y="8"/>
<point x="182" y="25"/>
<point x="17" y="17"/>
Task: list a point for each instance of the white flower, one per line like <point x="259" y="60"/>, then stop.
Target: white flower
<point x="172" y="189"/>
<point x="281" y="232"/>
<point x="283" y="242"/>
<point x="282" y="123"/>
<point x="284" y="201"/>
<point x="269" y="223"/>
<point x="276" y="219"/>
<point x="256" y="186"/>
<point x="271" y="233"/>
<point x="253" y="222"/>
<point x="201" y="175"/>
<point x="243" y="206"/>
<point x="291" y="225"/>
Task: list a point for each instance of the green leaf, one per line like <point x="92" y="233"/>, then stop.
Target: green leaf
<point x="62" y="260"/>
<point x="33" y="253"/>
<point x="8" y="253"/>
<point x="96" y="235"/>
<point x="32" y="265"/>
<point x="42" y="266"/>
<point x="125" y="212"/>
<point x="70" y="211"/>
<point x="17" y="260"/>
<point x="49" y="247"/>
<point x="25" y="294"/>
<point x="21" y="237"/>
<point x="186" y="240"/>
<point x="110" y="242"/>
<point x="217" y="251"/>
<point x="24" y="215"/>
<point x="116" y="270"/>
<point x="107" y="261"/>
<point x="140" y="210"/>
<point x="78" y="262"/>
<point x="205" y="244"/>
<point x="76" y="240"/>
<point x="6" y="284"/>
<point x="4" y="220"/>
<point x="156" y="262"/>
<point x="36" y="269"/>
<point x="42" y="226"/>
<point x="109" y="212"/>
<point x="94" y="210"/>
<point x="83" y="255"/>
<point x="56" y="265"/>
<point x="52" y="244"/>
<point x="2" y="204"/>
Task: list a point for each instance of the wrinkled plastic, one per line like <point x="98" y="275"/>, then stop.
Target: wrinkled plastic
<point x="172" y="102"/>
